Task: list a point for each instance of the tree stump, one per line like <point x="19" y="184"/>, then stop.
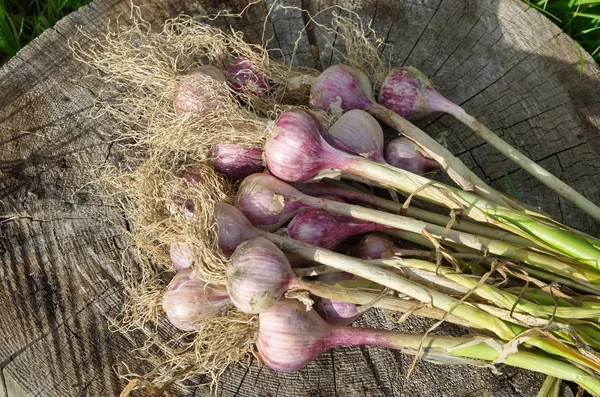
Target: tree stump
<point x="60" y="244"/>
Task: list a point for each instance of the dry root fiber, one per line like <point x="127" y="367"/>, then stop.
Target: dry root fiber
<point x="361" y="46"/>
<point x="144" y="70"/>
<point x="164" y="207"/>
<point x="202" y="355"/>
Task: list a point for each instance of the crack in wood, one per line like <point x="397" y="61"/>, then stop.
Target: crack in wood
<point x="309" y="8"/>
<point x="422" y="32"/>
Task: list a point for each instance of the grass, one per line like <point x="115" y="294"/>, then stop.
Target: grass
<point x="580" y="19"/>
<point x="23" y="20"/>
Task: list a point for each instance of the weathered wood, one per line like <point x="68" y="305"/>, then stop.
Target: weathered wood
<point x="60" y="243"/>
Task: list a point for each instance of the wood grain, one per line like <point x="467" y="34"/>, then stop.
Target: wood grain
<point x="60" y="243"/>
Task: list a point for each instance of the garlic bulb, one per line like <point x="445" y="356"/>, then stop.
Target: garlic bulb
<point x="359" y="131"/>
<point x="199" y="90"/>
<point x="236" y="162"/>
<point x="404" y="154"/>
<point x="189" y="300"/>
<point x="258" y="276"/>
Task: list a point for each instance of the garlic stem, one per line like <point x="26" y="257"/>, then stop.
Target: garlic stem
<point x="231" y="217"/>
<point x="478" y="243"/>
<point x="530" y="166"/>
<point x="384" y="301"/>
<point x="477" y="317"/>
<point x="341" y="189"/>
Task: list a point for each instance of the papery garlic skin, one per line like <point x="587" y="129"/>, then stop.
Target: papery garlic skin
<point x="181" y="255"/>
<point x="361" y="132"/>
<point x="341" y="88"/>
<point x="199" y="90"/>
<point x="258" y="275"/>
<point x="189" y="300"/>
<point x="236" y="162"/>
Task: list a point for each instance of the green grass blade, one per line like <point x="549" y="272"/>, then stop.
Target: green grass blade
<point x="586" y="2"/>
<point x="22" y="21"/>
<point x="595" y="17"/>
<point x="542" y="10"/>
<point x="511" y="185"/>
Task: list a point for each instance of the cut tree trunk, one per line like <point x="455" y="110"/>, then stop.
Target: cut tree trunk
<point x="61" y="244"/>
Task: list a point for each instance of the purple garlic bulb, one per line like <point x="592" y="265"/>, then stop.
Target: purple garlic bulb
<point x="341" y="87"/>
<point x="336" y="312"/>
<point x="296" y="150"/>
<point x="236" y="162"/>
<point x="199" y="90"/>
<point x="289" y="337"/>
<point x="243" y="76"/>
<point x="408" y="92"/>
<point x="359" y="131"/>
<point x="261" y="198"/>
<point x="405" y="154"/>
<point x="181" y="256"/>
<point x="376" y="246"/>
<point x="233" y="227"/>
<point x="327" y="230"/>
<point x="258" y="275"/>
<point x="189" y="300"/>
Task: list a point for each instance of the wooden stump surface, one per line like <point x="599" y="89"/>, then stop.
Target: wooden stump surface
<point x="60" y="243"/>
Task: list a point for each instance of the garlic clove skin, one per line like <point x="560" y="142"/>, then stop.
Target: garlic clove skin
<point x="341" y="88"/>
<point x="405" y="154"/>
<point x="289" y="337"/>
<point x="236" y="162"/>
<point x="189" y="300"/>
<point x="181" y="256"/>
<point x="258" y="275"/>
<point x="361" y="132"/>
<point x="199" y="90"/>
